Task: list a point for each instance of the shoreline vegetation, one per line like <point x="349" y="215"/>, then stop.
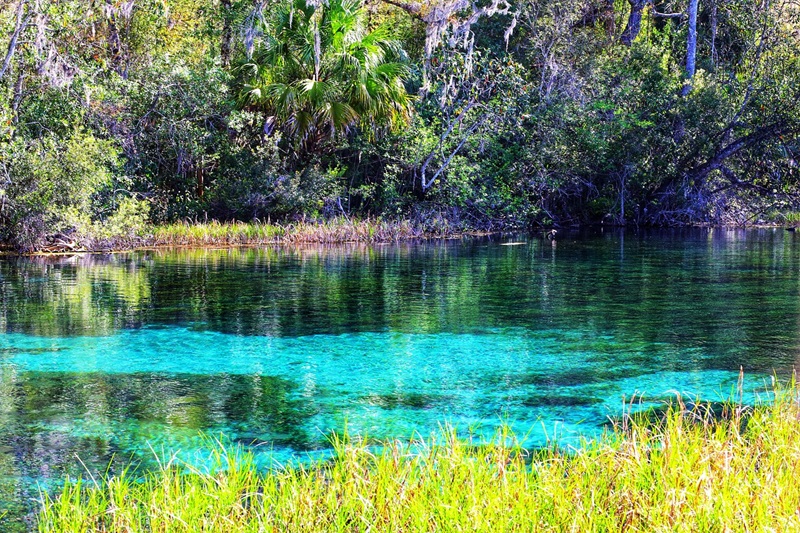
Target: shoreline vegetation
<point x="491" y="115"/>
<point x="693" y="467"/>
<point x="331" y="231"/>
<point x="337" y="230"/>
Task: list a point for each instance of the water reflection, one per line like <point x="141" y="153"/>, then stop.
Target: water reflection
<point x="719" y="286"/>
<point x="104" y="356"/>
<point x="50" y="420"/>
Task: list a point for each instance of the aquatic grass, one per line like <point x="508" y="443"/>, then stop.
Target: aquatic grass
<point x="691" y="469"/>
<point x="189" y="233"/>
<point x="792" y="219"/>
<point x="194" y="233"/>
<point x="334" y="230"/>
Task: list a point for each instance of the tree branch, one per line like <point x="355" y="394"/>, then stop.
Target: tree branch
<point x="667" y="15"/>
<point x="446" y="163"/>
<point x="411" y="8"/>
<point x="757" y="137"/>
<point x="12" y="45"/>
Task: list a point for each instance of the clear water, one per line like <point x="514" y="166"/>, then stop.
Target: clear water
<point x="107" y="358"/>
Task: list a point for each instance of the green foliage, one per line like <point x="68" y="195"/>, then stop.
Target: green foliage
<point x="177" y="116"/>
<point x="318" y="72"/>
<point x="127" y="221"/>
<point x="234" y="110"/>
<point x="54" y="184"/>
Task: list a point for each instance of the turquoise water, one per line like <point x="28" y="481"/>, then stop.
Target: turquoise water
<point x="108" y="358"/>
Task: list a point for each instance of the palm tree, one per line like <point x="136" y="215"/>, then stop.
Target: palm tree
<point x="318" y="72"/>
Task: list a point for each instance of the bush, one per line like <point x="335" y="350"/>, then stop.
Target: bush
<point x="54" y="185"/>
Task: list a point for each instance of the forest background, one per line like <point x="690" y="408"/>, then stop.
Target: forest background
<point x="119" y="115"/>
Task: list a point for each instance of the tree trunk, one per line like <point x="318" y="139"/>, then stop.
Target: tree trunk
<point x="18" y="91"/>
<point x="114" y="42"/>
<point x="608" y="9"/>
<point x="599" y="12"/>
<point x="714" y="34"/>
<point x="691" y="47"/>
<point x="757" y="137"/>
<point x="19" y="26"/>
<point x="451" y="19"/>
<point x="634" y="25"/>
<point x="226" y="45"/>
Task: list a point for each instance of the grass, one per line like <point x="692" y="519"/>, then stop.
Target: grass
<point x="687" y="470"/>
<point x="792" y="219"/>
<point x="335" y="230"/>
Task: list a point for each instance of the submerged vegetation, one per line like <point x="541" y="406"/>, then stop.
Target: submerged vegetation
<point x="689" y="469"/>
<point x="120" y="116"/>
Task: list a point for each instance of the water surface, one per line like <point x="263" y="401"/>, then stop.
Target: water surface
<point x="107" y="358"/>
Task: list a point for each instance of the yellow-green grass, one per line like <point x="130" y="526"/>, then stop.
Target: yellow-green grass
<point x="335" y="230"/>
<point x="685" y="471"/>
<point x="792" y="219"/>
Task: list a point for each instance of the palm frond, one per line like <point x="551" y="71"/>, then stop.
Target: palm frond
<point x="360" y="79"/>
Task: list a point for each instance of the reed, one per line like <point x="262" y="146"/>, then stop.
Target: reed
<point x="335" y="230"/>
<point x="690" y="469"/>
<point x="792" y="219"/>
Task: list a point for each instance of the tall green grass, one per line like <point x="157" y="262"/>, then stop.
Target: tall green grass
<point x="335" y="230"/>
<point x="688" y="470"/>
<point x="792" y="219"/>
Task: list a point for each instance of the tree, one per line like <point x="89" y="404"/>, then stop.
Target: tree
<point x="226" y="39"/>
<point x="318" y="72"/>
<point x="691" y="46"/>
<point x="452" y="21"/>
<point x="634" y="25"/>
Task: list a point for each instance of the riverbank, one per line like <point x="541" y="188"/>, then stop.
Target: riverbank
<point x="690" y="470"/>
<point x="330" y="231"/>
<point x="337" y="230"/>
